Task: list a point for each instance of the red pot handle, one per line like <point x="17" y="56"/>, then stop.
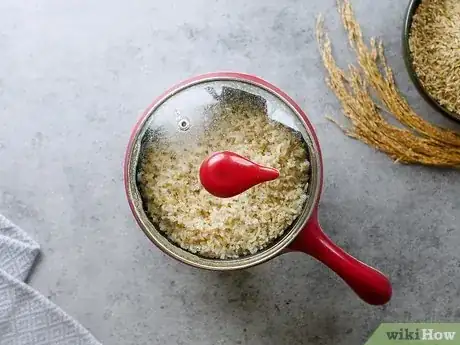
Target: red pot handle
<point x="369" y="284"/>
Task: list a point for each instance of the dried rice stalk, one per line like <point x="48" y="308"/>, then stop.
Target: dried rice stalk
<point x="419" y="142"/>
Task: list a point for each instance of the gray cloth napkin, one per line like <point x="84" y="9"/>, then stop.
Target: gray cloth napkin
<point x="26" y="317"/>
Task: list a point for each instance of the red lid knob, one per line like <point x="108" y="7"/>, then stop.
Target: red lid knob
<point x="226" y="174"/>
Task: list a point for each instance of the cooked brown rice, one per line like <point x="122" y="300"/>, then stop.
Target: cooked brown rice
<point x="226" y="228"/>
<point x="435" y="46"/>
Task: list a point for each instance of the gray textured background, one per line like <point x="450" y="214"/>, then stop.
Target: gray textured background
<point x="74" y="77"/>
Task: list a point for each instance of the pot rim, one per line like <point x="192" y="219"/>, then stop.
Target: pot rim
<point x="155" y="236"/>
<point x="407" y="55"/>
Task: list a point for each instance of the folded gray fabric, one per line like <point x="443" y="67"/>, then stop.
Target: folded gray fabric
<point x="26" y="317"/>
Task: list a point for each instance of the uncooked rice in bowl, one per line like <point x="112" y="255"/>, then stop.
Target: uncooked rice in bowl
<point x="227" y="228"/>
<point x="435" y="47"/>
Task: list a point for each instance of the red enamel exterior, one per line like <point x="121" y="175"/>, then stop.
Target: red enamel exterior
<point x="369" y="284"/>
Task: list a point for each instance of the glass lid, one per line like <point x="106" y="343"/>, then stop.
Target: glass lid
<point x="223" y="133"/>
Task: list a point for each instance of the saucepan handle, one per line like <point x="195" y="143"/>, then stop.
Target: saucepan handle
<point x="369" y="284"/>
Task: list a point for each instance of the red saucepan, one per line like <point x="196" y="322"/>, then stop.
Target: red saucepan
<point x="178" y="107"/>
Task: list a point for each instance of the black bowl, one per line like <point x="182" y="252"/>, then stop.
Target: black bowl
<point x="413" y="5"/>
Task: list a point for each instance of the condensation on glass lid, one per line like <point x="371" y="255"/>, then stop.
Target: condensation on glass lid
<point x="185" y="116"/>
<point x="194" y="125"/>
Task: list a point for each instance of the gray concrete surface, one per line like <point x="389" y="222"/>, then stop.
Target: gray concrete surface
<point x="74" y="77"/>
